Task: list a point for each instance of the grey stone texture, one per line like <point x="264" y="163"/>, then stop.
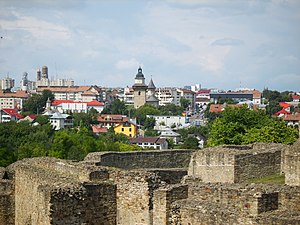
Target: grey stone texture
<point x="172" y="187"/>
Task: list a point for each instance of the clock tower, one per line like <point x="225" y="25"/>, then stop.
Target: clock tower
<point x="139" y="88"/>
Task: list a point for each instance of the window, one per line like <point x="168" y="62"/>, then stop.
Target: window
<point x="139" y="93"/>
<point x="122" y="129"/>
<point x="129" y="129"/>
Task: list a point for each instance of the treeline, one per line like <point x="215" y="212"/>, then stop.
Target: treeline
<point x="22" y="140"/>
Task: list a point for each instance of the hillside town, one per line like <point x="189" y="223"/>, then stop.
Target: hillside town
<point x="69" y="99"/>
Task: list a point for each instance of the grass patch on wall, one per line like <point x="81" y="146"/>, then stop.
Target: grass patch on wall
<point x="272" y="179"/>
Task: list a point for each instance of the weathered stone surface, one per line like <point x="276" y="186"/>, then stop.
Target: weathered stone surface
<point x="292" y="164"/>
<point x="142" y="159"/>
<point x="153" y="188"/>
<point x="232" y="164"/>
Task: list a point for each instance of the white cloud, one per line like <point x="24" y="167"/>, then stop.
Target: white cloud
<point x="127" y="64"/>
<point x="39" y="29"/>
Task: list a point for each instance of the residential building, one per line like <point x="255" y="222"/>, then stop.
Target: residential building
<point x="7" y="83"/>
<point x="168" y="96"/>
<point x="202" y="98"/>
<point x="296" y="98"/>
<point x="176" y="122"/>
<point x="75" y="93"/>
<point x="292" y="120"/>
<point x="59" y="120"/>
<point x="170" y="134"/>
<point x="150" y="142"/>
<point x="128" y="96"/>
<point x="70" y="106"/>
<point x="127" y="128"/>
<point x="173" y="96"/>
<point x="25" y="84"/>
<point x="8" y="114"/>
<point x="13" y="100"/>
<point x="187" y="94"/>
<point x="111" y="120"/>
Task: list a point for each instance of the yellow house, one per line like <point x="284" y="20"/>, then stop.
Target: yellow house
<point x="127" y="128"/>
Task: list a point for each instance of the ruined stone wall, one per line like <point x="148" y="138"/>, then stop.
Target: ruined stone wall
<point x="6" y="202"/>
<point x="217" y="203"/>
<point x="143" y="159"/>
<point x="232" y="164"/>
<point x="44" y="196"/>
<point x="255" y="164"/>
<point x="212" y="166"/>
<point x="94" y="204"/>
<point x="292" y="165"/>
<point x="163" y="200"/>
<point x="135" y="196"/>
<point x="32" y="202"/>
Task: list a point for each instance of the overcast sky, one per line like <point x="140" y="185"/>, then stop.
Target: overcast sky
<point x="221" y="44"/>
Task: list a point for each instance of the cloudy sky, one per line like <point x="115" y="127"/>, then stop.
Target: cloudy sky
<point x="221" y="44"/>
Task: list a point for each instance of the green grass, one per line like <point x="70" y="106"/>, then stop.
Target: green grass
<point x="272" y="179"/>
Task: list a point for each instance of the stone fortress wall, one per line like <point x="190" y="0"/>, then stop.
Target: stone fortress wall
<point x="170" y="187"/>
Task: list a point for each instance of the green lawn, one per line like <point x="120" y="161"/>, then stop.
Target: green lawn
<point x="272" y="179"/>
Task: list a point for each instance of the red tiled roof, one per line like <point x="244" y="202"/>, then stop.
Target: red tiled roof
<point x="97" y="129"/>
<point x="12" y="112"/>
<point x="66" y="89"/>
<point x="112" y="118"/>
<point x="284" y="105"/>
<point x="283" y="111"/>
<point x="216" y="108"/>
<point x="95" y="103"/>
<point x="203" y="92"/>
<point x="296" y="97"/>
<point x="17" y="94"/>
<point x="58" y="102"/>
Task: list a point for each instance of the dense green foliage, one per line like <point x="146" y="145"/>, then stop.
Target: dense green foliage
<point x="36" y="103"/>
<point x="22" y="140"/>
<point x="244" y="126"/>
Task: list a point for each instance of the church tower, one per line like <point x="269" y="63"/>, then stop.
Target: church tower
<point x="139" y="88"/>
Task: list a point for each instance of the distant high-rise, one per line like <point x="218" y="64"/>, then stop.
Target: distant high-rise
<point x="7" y="83"/>
<point x="45" y="72"/>
<point x="39" y="75"/>
<point x="44" y="81"/>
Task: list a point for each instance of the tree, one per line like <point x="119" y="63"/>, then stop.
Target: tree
<point x="36" y="102"/>
<point x="190" y="143"/>
<point x="171" y="109"/>
<point x="242" y="125"/>
<point x="118" y="107"/>
<point x="184" y="103"/>
<point x="149" y="123"/>
<point x="145" y="110"/>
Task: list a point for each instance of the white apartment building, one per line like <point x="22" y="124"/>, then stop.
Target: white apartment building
<point x="7" y="83"/>
<point x="75" y="93"/>
<point x="173" y="96"/>
<point x="168" y="96"/>
<point x="176" y="122"/>
<point x="45" y="82"/>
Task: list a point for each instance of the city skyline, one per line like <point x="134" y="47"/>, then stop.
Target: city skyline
<point x="218" y="44"/>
